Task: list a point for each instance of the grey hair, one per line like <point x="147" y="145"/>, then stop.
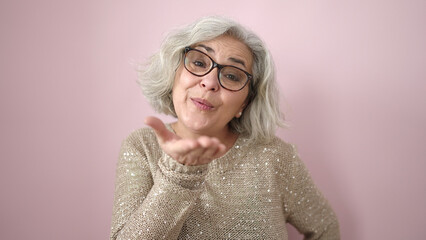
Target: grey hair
<point x="262" y="115"/>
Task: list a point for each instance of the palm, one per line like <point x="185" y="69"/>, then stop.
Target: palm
<point x="186" y="151"/>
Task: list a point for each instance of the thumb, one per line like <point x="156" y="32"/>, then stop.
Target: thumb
<point x="163" y="134"/>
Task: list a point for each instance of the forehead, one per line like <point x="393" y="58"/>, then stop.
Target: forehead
<point x="226" y="48"/>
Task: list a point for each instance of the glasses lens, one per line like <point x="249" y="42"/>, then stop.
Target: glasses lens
<point x="197" y="62"/>
<point x="232" y="78"/>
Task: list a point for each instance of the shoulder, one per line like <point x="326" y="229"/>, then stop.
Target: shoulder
<point x="275" y="147"/>
<point x="140" y="147"/>
<point x="141" y="140"/>
<point x="277" y="153"/>
<point x="140" y="136"/>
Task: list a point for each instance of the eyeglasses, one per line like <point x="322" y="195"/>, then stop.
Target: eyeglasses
<point x="200" y="64"/>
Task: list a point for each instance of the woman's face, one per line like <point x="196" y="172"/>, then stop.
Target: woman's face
<point x="201" y="104"/>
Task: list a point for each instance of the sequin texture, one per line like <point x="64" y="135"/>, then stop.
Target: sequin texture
<point x="249" y="193"/>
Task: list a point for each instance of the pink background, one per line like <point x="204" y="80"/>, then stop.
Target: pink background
<point x="351" y="73"/>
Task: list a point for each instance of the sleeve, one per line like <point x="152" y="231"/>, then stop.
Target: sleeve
<point x="308" y="211"/>
<point x="152" y="207"/>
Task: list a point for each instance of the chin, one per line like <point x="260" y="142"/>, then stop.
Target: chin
<point x="196" y="124"/>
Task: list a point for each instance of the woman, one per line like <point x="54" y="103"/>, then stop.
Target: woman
<point x="218" y="172"/>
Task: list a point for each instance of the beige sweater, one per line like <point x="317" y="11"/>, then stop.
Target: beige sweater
<point x="249" y="193"/>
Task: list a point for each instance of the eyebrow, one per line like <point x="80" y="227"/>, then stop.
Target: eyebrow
<point x="235" y="60"/>
<point x="208" y="49"/>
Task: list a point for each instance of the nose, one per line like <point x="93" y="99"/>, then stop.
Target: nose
<point x="210" y="81"/>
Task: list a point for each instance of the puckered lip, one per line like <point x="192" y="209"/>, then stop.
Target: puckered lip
<point x="202" y="101"/>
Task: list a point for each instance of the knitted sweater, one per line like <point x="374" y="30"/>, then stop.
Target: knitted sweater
<point x="249" y="193"/>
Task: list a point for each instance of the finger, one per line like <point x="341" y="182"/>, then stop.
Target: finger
<point x="206" y="142"/>
<point x="163" y="134"/>
<point x="194" y="154"/>
<point x="210" y="146"/>
<point x="221" y="150"/>
<point x="194" y="157"/>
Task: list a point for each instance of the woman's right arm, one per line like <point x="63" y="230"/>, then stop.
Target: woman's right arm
<point x="152" y="205"/>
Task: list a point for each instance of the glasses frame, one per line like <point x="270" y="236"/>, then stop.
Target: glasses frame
<point x="214" y="65"/>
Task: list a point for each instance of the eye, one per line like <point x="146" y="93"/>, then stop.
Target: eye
<point x="199" y="63"/>
<point x="232" y="77"/>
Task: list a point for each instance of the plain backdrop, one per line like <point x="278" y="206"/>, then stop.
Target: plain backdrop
<point x="352" y="81"/>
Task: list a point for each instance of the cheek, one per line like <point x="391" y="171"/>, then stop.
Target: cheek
<point x="236" y="103"/>
<point x="242" y="99"/>
<point x="184" y="79"/>
<point x="181" y="84"/>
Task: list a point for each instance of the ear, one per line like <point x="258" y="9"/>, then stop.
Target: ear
<point x="240" y="112"/>
<point x="243" y="106"/>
